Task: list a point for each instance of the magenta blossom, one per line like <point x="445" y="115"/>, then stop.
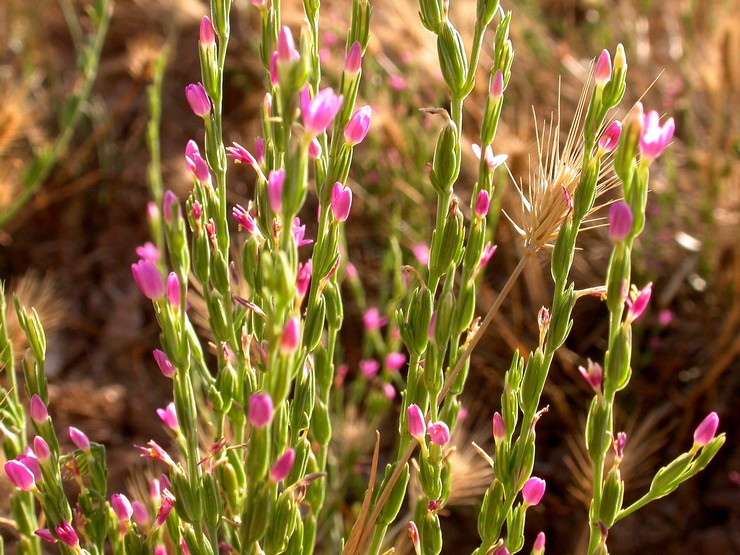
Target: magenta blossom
<point x="165" y="366"/>
<point x="353" y="61"/>
<point x="121" y="507"/>
<point x="603" y="69"/>
<point x="482" y="204"/>
<point x="207" y="38"/>
<point x="655" y="138"/>
<point x="291" y="336"/>
<point x="148" y="251"/>
<point x="39" y="412"/>
<point x="318" y="112"/>
<point x="373" y="320"/>
<point x="67" y="534"/>
<point x="275" y="189"/>
<point x="260" y="409"/>
<point x="533" y="491"/>
<point x="417" y="427"/>
<point x="638" y="306"/>
<point x="20" y="475"/>
<point x="620" y="221"/>
<point x="499" y="428"/>
<point x="610" y="137"/>
<point x="168" y="416"/>
<point x="79" y="439"/>
<point x="395" y="361"/>
<point x="369" y="367"/>
<point x="439" y="433"/>
<point x="286" y="50"/>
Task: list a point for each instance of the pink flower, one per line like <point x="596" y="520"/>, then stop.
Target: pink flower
<point x="207" y="37"/>
<point x="196" y="164"/>
<point x="148" y="278"/>
<point x="398" y="82"/>
<point x="499" y="428"/>
<point x="593" y="374"/>
<point x="199" y="102"/>
<point x="168" y="501"/>
<point x="533" y="491"/>
<point x="275" y="189"/>
<point x="79" y="439"/>
<point x="246" y="220"/>
<point x="170" y="203"/>
<point x="165" y="366"/>
<point x="282" y="466"/>
<point x="369" y="367"/>
<point x="491" y="161"/>
<point x="705" y="431"/>
<point x="610" y="137"/>
<point x="67" y="534"/>
<point x="620" y="221"/>
<point x="299" y="231"/>
<point x="439" y="433"/>
<point x="395" y="361"/>
<point x="488" y="251"/>
<point x="638" y="306"/>
<point x="155" y="452"/>
<point x="603" y="69"/>
<point x="148" y="251"/>
<point x="417" y="427"/>
<point x="291" y="336"/>
<point x="389" y="391"/>
<point x="45" y="535"/>
<point x="482" y="204"/>
<point x="121" y="506"/>
<point x="341" y="202"/>
<point x="140" y="513"/>
<point x="260" y="409"/>
<point x="655" y="138"/>
<point x="373" y="320"/>
<point x="319" y="112"/>
<point x="20" y="475"/>
<point x="241" y="155"/>
<point x="38" y="410"/>
<point x="496" y="88"/>
<point x="353" y="61"/>
<point x="168" y="416"/>
<point x="358" y="126"/>
<point x="273" y="67"/>
<point x="414" y="535"/>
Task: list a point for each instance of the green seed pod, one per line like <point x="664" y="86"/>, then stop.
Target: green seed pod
<point x="671" y="476"/>
<point x="334" y="308"/>
<point x="597" y="438"/>
<point x="515" y="529"/>
<point x="359" y="30"/>
<point x="390" y="510"/>
<point x="614" y="90"/>
<point x="420" y="314"/>
<point x="447" y="247"/>
<point x="560" y="322"/>
<point x="486" y="11"/>
<point x="452" y="59"/>
<point x="324" y="371"/>
<point x="491" y="517"/>
<point x="187" y="502"/>
<point x="230" y="486"/>
<point x="535" y="373"/>
<point x="314" y="326"/>
<point x="303" y="401"/>
<point x="446" y="161"/>
<point x="213" y="505"/>
<point x="258" y="454"/>
<point x="430" y="535"/>
<point x="707" y="454"/>
<point x="321" y="424"/>
<point x="443" y="322"/>
<point x="429" y="476"/>
<point x="611" y="499"/>
<point x="617" y="362"/>
<point x="282" y="525"/>
<point x="430" y="13"/>
<point x="258" y="511"/>
<point x="465" y="309"/>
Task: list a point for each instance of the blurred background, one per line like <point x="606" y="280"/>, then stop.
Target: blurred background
<point x="66" y="246"/>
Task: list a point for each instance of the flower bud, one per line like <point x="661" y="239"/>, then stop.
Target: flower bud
<point x="318" y="112"/>
<point x="67" y="534"/>
<point x="173" y="289"/>
<point x="499" y="428"/>
<point x="603" y="69"/>
<point x="260" y="409"/>
<point x="207" y="36"/>
<point x="199" y="102"/>
<point x="168" y="416"/>
<point x="655" y="138"/>
<point x="147" y="277"/>
<point x="496" y="89"/>
<point x="286" y="50"/>
<point x="291" y="336"/>
<point x="121" y="506"/>
<point x="41" y="448"/>
<point x="39" y="413"/>
<point x="706" y="431"/>
<point x="282" y="466"/>
<point x="341" y="202"/>
<point x="165" y="366"/>
<point x="353" y="61"/>
<point x="610" y="137"/>
<point x="395" y="361"/>
<point x="314" y="149"/>
<point x="482" y="204"/>
<point x="533" y="491"/>
<point x="638" y="306"/>
<point x="275" y="189"/>
<point x="539" y="544"/>
<point x="79" y="438"/>
<point x="369" y="368"/>
<point x="620" y="221"/>
<point x="358" y="126"/>
<point x="148" y="251"/>
<point x="417" y="428"/>
<point x="45" y="535"/>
